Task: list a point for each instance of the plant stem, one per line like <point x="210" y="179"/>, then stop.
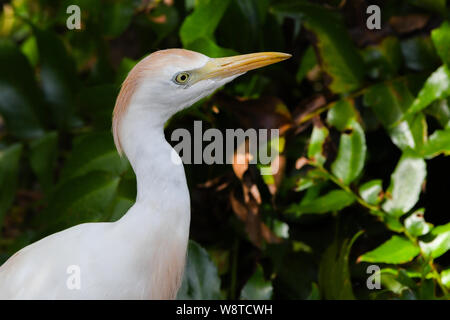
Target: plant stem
<point x="373" y="208"/>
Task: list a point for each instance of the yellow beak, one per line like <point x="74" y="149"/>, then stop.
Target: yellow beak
<point x="229" y="66"/>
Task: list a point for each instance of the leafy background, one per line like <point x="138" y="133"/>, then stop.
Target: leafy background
<point x="365" y="130"/>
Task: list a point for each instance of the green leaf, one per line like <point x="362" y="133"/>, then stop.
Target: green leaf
<point x="396" y="250"/>
<point x="438" y="142"/>
<point x="100" y="98"/>
<point x="436" y="87"/>
<point x="371" y="191"/>
<point x="315" y="148"/>
<point x="82" y="199"/>
<point x="20" y="100"/>
<point x="307" y="62"/>
<point x="351" y="155"/>
<point x="390" y="101"/>
<point x="440" y="110"/>
<point x="406" y="184"/>
<point x="445" y="278"/>
<point x="116" y="17"/>
<point x="95" y="151"/>
<point x="30" y="50"/>
<point x="203" y="21"/>
<point x="124" y="68"/>
<point x="342" y="115"/>
<point x="419" y="54"/>
<point x="312" y="178"/>
<point x="315" y="292"/>
<point x="383" y="60"/>
<point x="125" y="198"/>
<point x="437" y="6"/>
<point x="43" y="156"/>
<point x="441" y="40"/>
<point x="335" y="200"/>
<point x="352" y="146"/>
<point x="201" y="281"/>
<point x="392" y="222"/>
<point x="169" y="23"/>
<point x="247" y="18"/>
<point x="210" y="48"/>
<point x="416" y="225"/>
<point x="9" y="168"/>
<point x="334" y="273"/>
<point x="58" y="77"/>
<point x="339" y="57"/>
<point x="257" y="288"/>
<point x="437" y="242"/>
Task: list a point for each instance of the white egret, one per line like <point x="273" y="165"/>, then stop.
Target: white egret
<point x="142" y="255"/>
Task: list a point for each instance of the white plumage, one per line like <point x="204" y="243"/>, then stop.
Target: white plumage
<point x="142" y="255"/>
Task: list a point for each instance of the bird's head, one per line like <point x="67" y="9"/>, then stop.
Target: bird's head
<point x="168" y="81"/>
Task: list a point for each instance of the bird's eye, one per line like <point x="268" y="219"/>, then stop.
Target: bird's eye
<point x="182" y="78"/>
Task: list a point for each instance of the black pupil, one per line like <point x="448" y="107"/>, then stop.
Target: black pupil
<point x="183" y="77"/>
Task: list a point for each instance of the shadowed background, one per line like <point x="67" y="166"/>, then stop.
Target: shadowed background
<point x="363" y="114"/>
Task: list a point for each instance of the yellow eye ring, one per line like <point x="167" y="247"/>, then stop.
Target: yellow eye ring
<point x="182" y="78"/>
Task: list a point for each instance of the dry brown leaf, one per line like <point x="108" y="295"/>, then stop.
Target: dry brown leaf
<point x="301" y="162"/>
<point x="408" y="23"/>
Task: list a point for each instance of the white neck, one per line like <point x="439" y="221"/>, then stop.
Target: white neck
<point x="157" y="225"/>
<point x="161" y="182"/>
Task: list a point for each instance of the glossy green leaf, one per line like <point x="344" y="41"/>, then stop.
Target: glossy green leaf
<point x="257" y="287"/>
<point x="94" y="152"/>
<point x="119" y="208"/>
<point x="437" y="242"/>
<point x="342" y="115"/>
<point x="9" y="169"/>
<point x="416" y="225"/>
<point x="396" y="250"/>
<point x="165" y="26"/>
<point x="441" y="40"/>
<point x="100" y="98"/>
<point x="335" y="200"/>
<point x="116" y="17"/>
<point x="20" y="100"/>
<point x="384" y="60"/>
<point x="313" y="177"/>
<point x="436" y="87"/>
<point x="82" y="199"/>
<point x="209" y="48"/>
<point x="389" y="101"/>
<point x="315" y="292"/>
<point x="248" y="19"/>
<point x="203" y="21"/>
<point x="334" y="273"/>
<point x="371" y="191"/>
<point x="438" y="142"/>
<point x="43" y="156"/>
<point x="419" y="54"/>
<point x="30" y="50"/>
<point x="392" y="222"/>
<point x="124" y="68"/>
<point x="201" y="281"/>
<point x="58" y="77"/>
<point x="406" y="185"/>
<point x="445" y="278"/>
<point x="351" y="154"/>
<point x="307" y="62"/>
<point x="338" y="55"/>
<point x="316" y="144"/>
<point x="440" y="110"/>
